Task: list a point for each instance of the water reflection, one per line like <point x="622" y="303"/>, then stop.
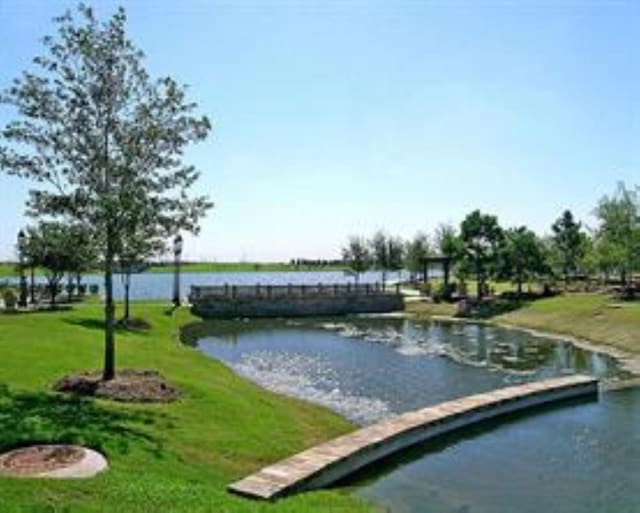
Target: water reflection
<point x="368" y="369"/>
<point x="581" y="457"/>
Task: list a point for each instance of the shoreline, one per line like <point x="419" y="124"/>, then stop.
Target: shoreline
<point x="628" y="361"/>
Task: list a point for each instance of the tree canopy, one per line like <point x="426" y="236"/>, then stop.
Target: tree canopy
<point x="103" y="141"/>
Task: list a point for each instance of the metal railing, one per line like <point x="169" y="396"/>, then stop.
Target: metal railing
<point x="289" y="291"/>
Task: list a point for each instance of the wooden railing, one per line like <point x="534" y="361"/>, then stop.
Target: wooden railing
<point x="275" y="291"/>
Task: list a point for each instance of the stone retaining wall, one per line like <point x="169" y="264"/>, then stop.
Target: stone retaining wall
<point x="229" y="307"/>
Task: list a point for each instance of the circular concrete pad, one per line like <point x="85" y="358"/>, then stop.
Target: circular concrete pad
<point x="52" y="461"/>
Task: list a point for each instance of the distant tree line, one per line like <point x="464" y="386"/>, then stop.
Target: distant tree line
<point x="315" y="262"/>
<point x="483" y="250"/>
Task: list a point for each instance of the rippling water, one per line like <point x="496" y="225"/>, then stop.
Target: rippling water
<point x="372" y="368"/>
<point x="585" y="457"/>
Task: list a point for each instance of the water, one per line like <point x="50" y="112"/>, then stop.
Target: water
<point x="582" y="457"/>
<point x="152" y="286"/>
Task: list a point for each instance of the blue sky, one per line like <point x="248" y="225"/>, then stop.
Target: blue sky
<point x="332" y="118"/>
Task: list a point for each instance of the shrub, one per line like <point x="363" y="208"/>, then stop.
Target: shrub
<point x="94" y="289"/>
<point x="10" y="299"/>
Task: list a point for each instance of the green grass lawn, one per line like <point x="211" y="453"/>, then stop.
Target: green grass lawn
<point x="174" y="457"/>
<point x="593" y="317"/>
<point x="8" y="270"/>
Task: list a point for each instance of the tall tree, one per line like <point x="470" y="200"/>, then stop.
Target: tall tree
<point x="104" y="139"/>
<point x="619" y="217"/>
<point x="387" y="254"/>
<point x="357" y="256"/>
<point x="450" y="246"/>
<point x="379" y="250"/>
<point x="524" y="256"/>
<point x="568" y="242"/>
<point x="417" y="249"/>
<point x="54" y="248"/>
<point x="396" y="254"/>
<point x="481" y="237"/>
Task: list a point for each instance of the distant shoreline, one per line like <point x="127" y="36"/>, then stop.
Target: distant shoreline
<point x="8" y="269"/>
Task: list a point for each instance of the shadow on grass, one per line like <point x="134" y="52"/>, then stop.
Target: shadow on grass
<point x="29" y="418"/>
<point x="99" y="325"/>
<point x="41" y="309"/>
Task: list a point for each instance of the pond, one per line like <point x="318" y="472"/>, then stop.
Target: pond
<point x="581" y="457"/>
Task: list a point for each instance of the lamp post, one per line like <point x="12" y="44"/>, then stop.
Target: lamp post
<point x="22" y="301"/>
<point x="177" y="252"/>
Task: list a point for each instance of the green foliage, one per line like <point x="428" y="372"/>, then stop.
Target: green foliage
<point x="10" y="299"/>
<point x="416" y="251"/>
<point x="52" y="246"/>
<point x="482" y="240"/>
<point x="568" y="242"/>
<point x="619" y="231"/>
<point x="357" y="256"/>
<point x="105" y="140"/>
<point x="523" y="256"/>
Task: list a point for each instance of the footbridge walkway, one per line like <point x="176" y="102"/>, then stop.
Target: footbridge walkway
<point x="327" y="463"/>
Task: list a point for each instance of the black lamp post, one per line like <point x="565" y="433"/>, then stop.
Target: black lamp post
<point x="22" y="301"/>
<point x="177" y="252"/>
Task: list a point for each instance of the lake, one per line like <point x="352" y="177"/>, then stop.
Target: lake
<point x="580" y="457"/>
<point x="157" y="286"/>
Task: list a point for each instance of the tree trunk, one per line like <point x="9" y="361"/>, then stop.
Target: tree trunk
<point x="127" y="285"/>
<point x="53" y="291"/>
<point x="519" y="287"/>
<point x="479" y="279"/>
<point x="69" y="287"/>
<point x="33" y="285"/>
<point x="446" y="275"/>
<point x="384" y="279"/>
<point x="109" y="316"/>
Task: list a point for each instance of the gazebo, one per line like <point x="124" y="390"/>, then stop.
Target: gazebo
<point x="440" y="260"/>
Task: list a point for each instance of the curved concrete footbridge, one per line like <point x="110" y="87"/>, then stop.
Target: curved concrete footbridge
<point x="329" y="462"/>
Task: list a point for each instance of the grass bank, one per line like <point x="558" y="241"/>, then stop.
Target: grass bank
<point x="593" y="317"/>
<point x="596" y="318"/>
<point x="174" y="457"/>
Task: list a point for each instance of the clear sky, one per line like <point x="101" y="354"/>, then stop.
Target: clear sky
<point x="332" y="118"/>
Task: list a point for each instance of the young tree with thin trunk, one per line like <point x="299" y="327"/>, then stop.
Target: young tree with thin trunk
<point x="482" y="240"/>
<point x="380" y="257"/>
<point x="53" y="247"/>
<point x="103" y="139"/>
<point x="449" y="245"/>
<point x="415" y="253"/>
<point x="357" y="257"/>
<point x="523" y="256"/>
<point x="568" y="242"/>
<point x="619" y="217"/>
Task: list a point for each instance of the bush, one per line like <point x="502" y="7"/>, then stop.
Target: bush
<point x="10" y="299"/>
<point x="94" y="289"/>
<point x="82" y="289"/>
<point x="444" y="292"/>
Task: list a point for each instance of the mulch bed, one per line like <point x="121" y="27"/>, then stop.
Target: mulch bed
<point x="39" y="458"/>
<point x="129" y="385"/>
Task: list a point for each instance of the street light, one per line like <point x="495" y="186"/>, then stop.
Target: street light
<point x="177" y="252"/>
<point x="22" y="238"/>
